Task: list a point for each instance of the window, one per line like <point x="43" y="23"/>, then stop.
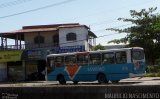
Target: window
<point x="138" y="54"/>
<point x="82" y="59"/>
<point x="70" y="60"/>
<point x="39" y="39"/>
<point x="71" y="37"/>
<point x="108" y="58"/>
<point x="121" y="57"/>
<point x="95" y="59"/>
<point x="59" y="61"/>
<point x="56" y="40"/>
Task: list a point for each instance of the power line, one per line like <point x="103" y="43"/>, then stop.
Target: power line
<point x="111" y="11"/>
<point x="12" y="3"/>
<point x="40" y="8"/>
<point x="103" y="22"/>
<point x="113" y="27"/>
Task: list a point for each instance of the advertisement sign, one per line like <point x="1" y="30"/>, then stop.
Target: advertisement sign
<point x="66" y="49"/>
<point x="35" y="54"/>
<point x="8" y="56"/>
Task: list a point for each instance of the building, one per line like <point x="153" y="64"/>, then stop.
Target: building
<point x="32" y="43"/>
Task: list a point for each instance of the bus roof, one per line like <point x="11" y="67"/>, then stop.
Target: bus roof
<point x="98" y="51"/>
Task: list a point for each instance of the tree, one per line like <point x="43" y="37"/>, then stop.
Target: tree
<point x="145" y="32"/>
<point x="98" y="47"/>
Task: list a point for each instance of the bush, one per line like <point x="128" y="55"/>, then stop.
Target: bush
<point x="158" y="74"/>
<point x="150" y="75"/>
<point x="153" y="69"/>
<point x="157" y="62"/>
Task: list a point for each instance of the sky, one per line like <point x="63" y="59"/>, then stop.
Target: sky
<point x="96" y="14"/>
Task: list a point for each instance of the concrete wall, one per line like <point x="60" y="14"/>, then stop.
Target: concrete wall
<point x="29" y="39"/>
<point x="81" y="33"/>
<point x="3" y="71"/>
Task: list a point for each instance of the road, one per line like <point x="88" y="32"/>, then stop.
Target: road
<point x="129" y="81"/>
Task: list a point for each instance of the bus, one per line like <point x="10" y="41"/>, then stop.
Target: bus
<point x="102" y="65"/>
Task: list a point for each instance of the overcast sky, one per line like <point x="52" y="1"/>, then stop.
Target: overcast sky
<point x="97" y="14"/>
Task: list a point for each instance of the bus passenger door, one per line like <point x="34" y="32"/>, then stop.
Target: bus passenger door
<point x="138" y="60"/>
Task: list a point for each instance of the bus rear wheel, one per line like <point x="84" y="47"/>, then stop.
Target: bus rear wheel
<point x="61" y="80"/>
<point x="102" y="79"/>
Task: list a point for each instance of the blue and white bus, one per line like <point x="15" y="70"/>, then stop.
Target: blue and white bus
<point x="103" y="65"/>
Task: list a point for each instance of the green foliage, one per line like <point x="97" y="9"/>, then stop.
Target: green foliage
<point x="153" y="71"/>
<point x="150" y="75"/>
<point x="157" y="62"/>
<point x="145" y="32"/>
<point x="98" y="47"/>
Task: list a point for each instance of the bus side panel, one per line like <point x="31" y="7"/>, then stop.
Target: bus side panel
<point x="118" y="71"/>
<point x="112" y="72"/>
<point x="87" y="73"/>
<point x="53" y="75"/>
<point x="118" y="68"/>
<point x="117" y="76"/>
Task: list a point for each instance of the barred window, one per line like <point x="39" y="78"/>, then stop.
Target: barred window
<point x="71" y="36"/>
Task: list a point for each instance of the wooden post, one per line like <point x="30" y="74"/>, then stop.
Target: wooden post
<point x="16" y="41"/>
<point x="20" y="42"/>
<point x="6" y="43"/>
<point x="1" y="40"/>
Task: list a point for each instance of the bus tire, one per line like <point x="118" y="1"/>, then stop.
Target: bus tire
<point x="61" y="79"/>
<point x="75" y="82"/>
<point x="102" y="78"/>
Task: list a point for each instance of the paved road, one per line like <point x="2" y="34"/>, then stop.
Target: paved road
<point x="130" y="81"/>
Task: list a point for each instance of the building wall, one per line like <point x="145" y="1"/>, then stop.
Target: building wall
<point x="29" y="39"/>
<point x="3" y="71"/>
<point x="81" y="33"/>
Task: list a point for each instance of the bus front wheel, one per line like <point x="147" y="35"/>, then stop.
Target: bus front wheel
<point x="102" y="79"/>
<point x="61" y="80"/>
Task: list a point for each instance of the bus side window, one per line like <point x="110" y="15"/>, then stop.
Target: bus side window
<point x="121" y="57"/>
<point x="59" y="61"/>
<point x="82" y="59"/>
<point x="95" y="59"/>
<point x="108" y="58"/>
<point x="70" y="60"/>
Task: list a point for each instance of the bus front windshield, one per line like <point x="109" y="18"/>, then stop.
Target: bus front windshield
<point x="137" y="54"/>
